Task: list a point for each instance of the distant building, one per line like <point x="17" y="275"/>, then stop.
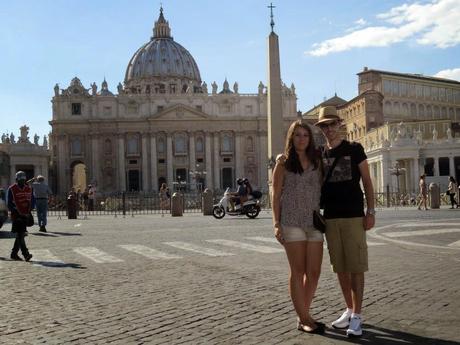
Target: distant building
<point x="405" y="119"/>
<point x="164" y="124"/>
<point x="20" y="153"/>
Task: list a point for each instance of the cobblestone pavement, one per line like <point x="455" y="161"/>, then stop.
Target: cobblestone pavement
<point x="197" y="280"/>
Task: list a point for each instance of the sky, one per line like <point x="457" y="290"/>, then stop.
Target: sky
<point x="323" y="45"/>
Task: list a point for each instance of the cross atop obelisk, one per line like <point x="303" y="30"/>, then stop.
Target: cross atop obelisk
<point x="272" y="22"/>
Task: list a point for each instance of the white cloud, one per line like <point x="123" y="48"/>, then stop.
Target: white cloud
<point x="453" y="74"/>
<point x="360" y="22"/>
<point x="436" y="23"/>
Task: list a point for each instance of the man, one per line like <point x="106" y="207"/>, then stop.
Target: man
<point x="346" y="223"/>
<point x="240" y="196"/>
<point x="20" y="202"/>
<point x="41" y="193"/>
<point x="91" y="197"/>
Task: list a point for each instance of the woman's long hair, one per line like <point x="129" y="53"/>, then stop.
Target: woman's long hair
<point x="292" y="162"/>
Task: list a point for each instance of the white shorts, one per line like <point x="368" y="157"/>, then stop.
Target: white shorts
<point x="293" y="234"/>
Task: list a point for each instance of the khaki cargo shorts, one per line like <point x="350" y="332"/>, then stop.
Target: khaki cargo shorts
<point x="346" y="243"/>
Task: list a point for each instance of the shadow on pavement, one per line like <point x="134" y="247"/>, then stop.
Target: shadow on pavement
<point x="383" y="336"/>
<point x="7" y="234"/>
<point x="58" y="264"/>
<point x="56" y="234"/>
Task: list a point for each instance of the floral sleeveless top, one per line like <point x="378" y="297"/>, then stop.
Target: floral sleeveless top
<point x="300" y="197"/>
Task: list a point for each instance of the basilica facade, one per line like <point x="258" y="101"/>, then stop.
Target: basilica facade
<point x="162" y="125"/>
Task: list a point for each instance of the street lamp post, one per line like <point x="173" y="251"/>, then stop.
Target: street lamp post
<point x="397" y="171"/>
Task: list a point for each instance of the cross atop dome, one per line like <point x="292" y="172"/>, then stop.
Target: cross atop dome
<point x="161" y="29"/>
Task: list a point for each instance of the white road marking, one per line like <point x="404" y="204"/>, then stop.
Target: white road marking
<point x="371" y="244"/>
<point x="420" y="232"/>
<point x="197" y="249"/>
<point x="420" y="224"/>
<point x="454" y="244"/>
<point x="263" y="239"/>
<point x="77" y="225"/>
<point x="148" y="252"/>
<point x="256" y="248"/>
<point x="45" y="257"/>
<point x="96" y="255"/>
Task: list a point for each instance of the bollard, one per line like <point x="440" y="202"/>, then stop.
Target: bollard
<point x="71" y="207"/>
<point x="177" y="205"/>
<point x="434" y="196"/>
<point x="207" y="202"/>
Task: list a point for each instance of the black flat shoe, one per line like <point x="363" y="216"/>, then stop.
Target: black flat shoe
<point x="15" y="257"/>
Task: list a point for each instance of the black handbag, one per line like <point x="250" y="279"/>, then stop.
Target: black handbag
<point x="319" y="222"/>
<point x="30" y="220"/>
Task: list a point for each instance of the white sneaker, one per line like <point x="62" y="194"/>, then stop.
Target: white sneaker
<point x="343" y="321"/>
<point x="354" y="330"/>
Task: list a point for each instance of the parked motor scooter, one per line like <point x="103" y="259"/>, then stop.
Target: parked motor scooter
<point x="250" y="208"/>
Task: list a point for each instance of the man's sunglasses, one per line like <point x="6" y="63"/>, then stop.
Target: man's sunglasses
<point x="326" y="125"/>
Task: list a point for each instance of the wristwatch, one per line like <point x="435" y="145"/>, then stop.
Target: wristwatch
<point x="371" y="211"/>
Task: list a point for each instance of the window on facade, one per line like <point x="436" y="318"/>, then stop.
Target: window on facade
<point x="443" y="112"/>
<point x="249" y="144"/>
<point x="161" y="145"/>
<point x="444" y="166"/>
<point x="434" y="93"/>
<point x="172" y="88"/>
<point x="403" y="89"/>
<point x="180" y="145"/>
<point x="108" y="147"/>
<point x="199" y="145"/>
<point x="429" y="167"/>
<point x="421" y="110"/>
<point x="429" y="112"/>
<point x="442" y="94"/>
<point x="451" y="114"/>
<point x="227" y="143"/>
<point x="413" y="110"/>
<point x="426" y="92"/>
<point x="133" y="145"/>
<point x="395" y="88"/>
<point x="419" y="91"/>
<point x="76" y="108"/>
<point x="160" y="108"/>
<point x="457" y="97"/>
<point x="387" y="87"/>
<point x="405" y="109"/>
<point x="75" y="147"/>
<point x="396" y="110"/>
<point x="436" y="113"/>
<point x="249" y="109"/>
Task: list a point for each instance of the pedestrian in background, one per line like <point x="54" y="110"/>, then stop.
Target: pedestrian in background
<point x="165" y="196"/>
<point x="296" y="194"/>
<point x="423" y="190"/>
<point x="452" y="189"/>
<point x="41" y="192"/>
<point x="3" y="208"/>
<point x="346" y="166"/>
<point x="20" y="203"/>
<point x="91" y="197"/>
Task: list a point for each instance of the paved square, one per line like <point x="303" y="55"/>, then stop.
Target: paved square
<point x="197" y="280"/>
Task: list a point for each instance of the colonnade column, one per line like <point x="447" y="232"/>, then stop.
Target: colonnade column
<point x="209" y="179"/>
<point x="216" y="161"/>
<point x="384" y="168"/>
<point x="169" y="159"/>
<point x="192" y="161"/>
<point x="62" y="166"/>
<point x="121" y="164"/>
<point x="436" y="166"/>
<point x="153" y="163"/>
<point x="416" y="175"/>
<point x="145" y="168"/>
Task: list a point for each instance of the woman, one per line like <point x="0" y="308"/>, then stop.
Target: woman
<point x="423" y="192"/>
<point x="164" y="197"/>
<point x="452" y="189"/>
<point x="296" y="193"/>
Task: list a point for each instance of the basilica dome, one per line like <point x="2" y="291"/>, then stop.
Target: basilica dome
<point x="162" y="59"/>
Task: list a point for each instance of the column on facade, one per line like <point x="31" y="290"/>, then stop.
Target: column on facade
<point x="436" y="166"/>
<point x="209" y="179"/>
<point x="239" y="167"/>
<point x="63" y="169"/>
<point x="216" y="161"/>
<point x="192" y="161"/>
<point x="169" y="159"/>
<point x="153" y="163"/>
<point x="95" y="160"/>
<point x="385" y="171"/>
<point x="121" y="164"/>
<point x="145" y="166"/>
<point x="451" y="166"/>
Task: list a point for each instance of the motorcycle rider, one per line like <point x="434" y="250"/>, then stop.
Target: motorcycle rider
<point x="241" y="194"/>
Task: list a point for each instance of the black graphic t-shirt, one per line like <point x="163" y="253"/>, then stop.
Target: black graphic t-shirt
<point x="342" y="195"/>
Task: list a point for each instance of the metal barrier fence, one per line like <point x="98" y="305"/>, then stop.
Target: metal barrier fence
<point x="133" y="203"/>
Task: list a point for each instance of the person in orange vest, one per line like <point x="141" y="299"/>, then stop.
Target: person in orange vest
<point x="20" y="203"/>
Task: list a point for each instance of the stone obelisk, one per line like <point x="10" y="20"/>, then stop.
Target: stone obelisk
<point x="275" y="130"/>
